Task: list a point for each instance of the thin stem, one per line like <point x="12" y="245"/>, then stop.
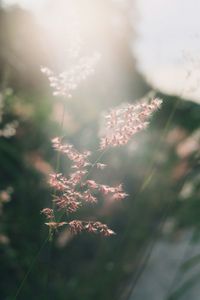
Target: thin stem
<point x="96" y="161"/>
<point x="58" y="163"/>
<point x="62" y="127"/>
<point x="49" y="237"/>
<point x="30" y="268"/>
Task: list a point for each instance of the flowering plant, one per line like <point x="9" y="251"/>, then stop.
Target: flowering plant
<point x="119" y="126"/>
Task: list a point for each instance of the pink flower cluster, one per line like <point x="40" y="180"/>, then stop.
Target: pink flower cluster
<point x="118" y="128"/>
<point x="124" y="121"/>
<point x="66" y="82"/>
<point x="76" y="189"/>
<point x="77" y="226"/>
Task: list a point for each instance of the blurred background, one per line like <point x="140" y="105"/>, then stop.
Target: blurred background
<point x="148" y="48"/>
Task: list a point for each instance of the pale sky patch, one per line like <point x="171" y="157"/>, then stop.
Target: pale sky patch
<point x="168" y="45"/>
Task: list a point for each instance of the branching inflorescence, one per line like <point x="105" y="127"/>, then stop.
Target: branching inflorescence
<point x="119" y="126"/>
<point x="68" y="81"/>
<point x="77" y="189"/>
<point x="72" y="192"/>
<point x="125" y="121"/>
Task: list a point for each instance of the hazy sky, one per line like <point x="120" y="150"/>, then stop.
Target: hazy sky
<point x="168" y="45"/>
<point x="29" y="4"/>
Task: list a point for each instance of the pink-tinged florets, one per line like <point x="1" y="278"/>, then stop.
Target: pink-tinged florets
<point x="68" y="203"/>
<point x="92" y="184"/>
<point x="80" y="160"/>
<point x="103" y="229"/>
<point x="76" y="226"/>
<point x="65" y="83"/>
<point x="125" y="121"/>
<point x="55" y="225"/>
<point x="72" y="191"/>
<point x="90" y="228"/>
<point x="119" y="196"/>
<point x="58" y="182"/>
<point x="100" y="166"/>
<point x="48" y="212"/>
<point x="88" y="197"/>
